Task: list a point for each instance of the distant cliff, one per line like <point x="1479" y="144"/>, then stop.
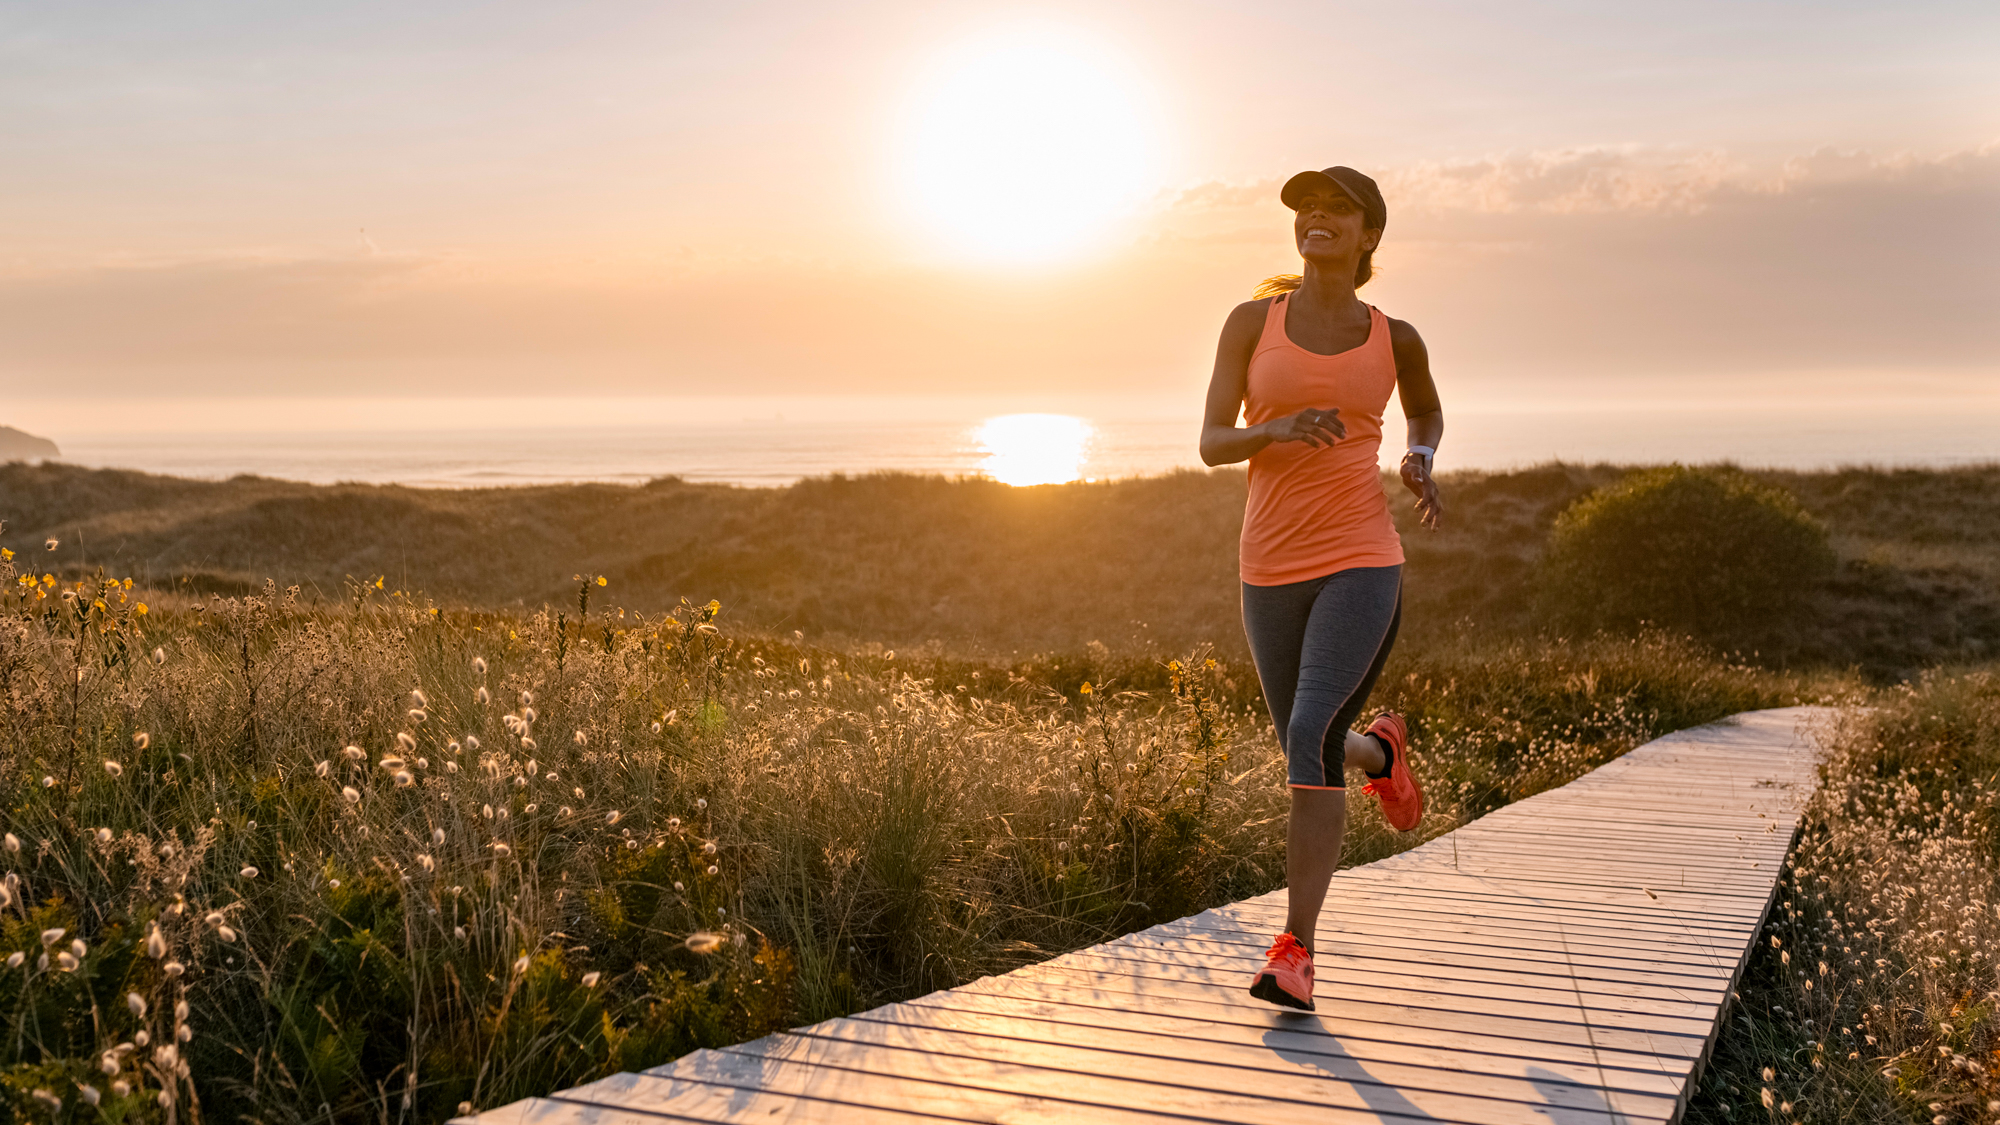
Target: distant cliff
<point x="17" y="446"/>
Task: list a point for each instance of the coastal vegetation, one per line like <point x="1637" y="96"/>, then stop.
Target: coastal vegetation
<point x="291" y="845"/>
<point x="1710" y="552"/>
<point x="974" y="566"/>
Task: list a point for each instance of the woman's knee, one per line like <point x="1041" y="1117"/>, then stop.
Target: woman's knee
<point x="1309" y="739"/>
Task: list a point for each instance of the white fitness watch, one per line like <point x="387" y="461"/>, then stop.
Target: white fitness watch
<point x="1426" y="452"/>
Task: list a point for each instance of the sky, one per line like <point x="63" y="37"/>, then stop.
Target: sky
<point x="205" y="202"/>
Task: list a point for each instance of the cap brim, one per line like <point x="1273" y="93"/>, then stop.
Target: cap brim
<point x="1296" y="188"/>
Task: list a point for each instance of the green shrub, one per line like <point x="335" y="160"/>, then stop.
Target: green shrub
<point x="1710" y="551"/>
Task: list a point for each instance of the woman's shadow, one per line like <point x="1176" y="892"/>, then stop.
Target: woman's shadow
<point x="1307" y="1043"/>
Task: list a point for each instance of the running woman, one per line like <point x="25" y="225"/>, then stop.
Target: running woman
<point x="1310" y="366"/>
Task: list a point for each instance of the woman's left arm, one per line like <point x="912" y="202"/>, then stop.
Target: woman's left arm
<point x="1426" y="418"/>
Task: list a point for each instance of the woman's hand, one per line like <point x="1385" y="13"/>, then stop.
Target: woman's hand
<point x="1316" y="427"/>
<point x="1416" y="478"/>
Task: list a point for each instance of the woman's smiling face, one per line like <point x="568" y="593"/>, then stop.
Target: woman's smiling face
<point x="1330" y="227"/>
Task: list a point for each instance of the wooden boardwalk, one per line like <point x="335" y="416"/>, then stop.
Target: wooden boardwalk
<point x="1565" y="959"/>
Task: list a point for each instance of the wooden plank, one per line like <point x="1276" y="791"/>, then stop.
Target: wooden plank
<point x="1337" y="960"/>
<point x="1349" y="947"/>
<point x="731" y="1088"/>
<point x="1277" y="1075"/>
<point x="1359" y="1039"/>
<point x="1582" y="869"/>
<point x="1565" y="958"/>
<point x="1623" y="904"/>
<point x="549" y="1111"/>
<point x="1615" y="1009"/>
<point x="1435" y="1000"/>
<point x="1554" y="946"/>
<point x="1558" y="870"/>
<point x="1338" y="1012"/>
<point x="1534" y="1022"/>
<point x="1550" y="928"/>
<point x="1726" y="861"/>
<point x="1611" y="805"/>
<point x="1667" y="912"/>
<point x="1722" y="846"/>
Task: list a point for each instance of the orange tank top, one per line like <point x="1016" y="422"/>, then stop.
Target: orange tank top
<point x="1315" y="511"/>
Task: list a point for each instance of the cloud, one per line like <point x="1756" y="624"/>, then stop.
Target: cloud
<point x="1605" y="267"/>
<point x="1569" y="181"/>
<point x="1616" y="264"/>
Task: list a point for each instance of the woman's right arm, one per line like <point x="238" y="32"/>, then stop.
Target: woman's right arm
<point x="1223" y="442"/>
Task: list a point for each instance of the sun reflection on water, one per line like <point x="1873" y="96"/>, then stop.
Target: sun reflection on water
<point x="1023" y="449"/>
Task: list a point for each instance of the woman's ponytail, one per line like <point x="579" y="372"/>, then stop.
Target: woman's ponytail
<point x="1364" y="271"/>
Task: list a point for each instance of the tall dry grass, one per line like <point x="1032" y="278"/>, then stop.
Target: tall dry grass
<point x="377" y="861"/>
<point x="1875" y="993"/>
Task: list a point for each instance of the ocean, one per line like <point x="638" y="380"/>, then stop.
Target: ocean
<point x="743" y="442"/>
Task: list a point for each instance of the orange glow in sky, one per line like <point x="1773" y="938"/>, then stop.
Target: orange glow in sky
<point x="613" y="201"/>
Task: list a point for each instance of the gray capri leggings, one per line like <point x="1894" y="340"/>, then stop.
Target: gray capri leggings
<point x="1319" y="645"/>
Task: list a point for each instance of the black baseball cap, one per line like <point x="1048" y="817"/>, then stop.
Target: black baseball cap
<point x="1353" y="184"/>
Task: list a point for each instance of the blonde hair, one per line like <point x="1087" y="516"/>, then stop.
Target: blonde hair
<point x="1364" y="271"/>
<point x="1276" y="284"/>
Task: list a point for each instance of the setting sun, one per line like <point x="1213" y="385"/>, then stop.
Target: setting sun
<point x="1025" y="148"/>
<point x="1024" y="449"/>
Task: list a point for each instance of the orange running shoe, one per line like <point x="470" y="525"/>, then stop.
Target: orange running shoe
<point x="1402" y="801"/>
<point x="1287" y="978"/>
